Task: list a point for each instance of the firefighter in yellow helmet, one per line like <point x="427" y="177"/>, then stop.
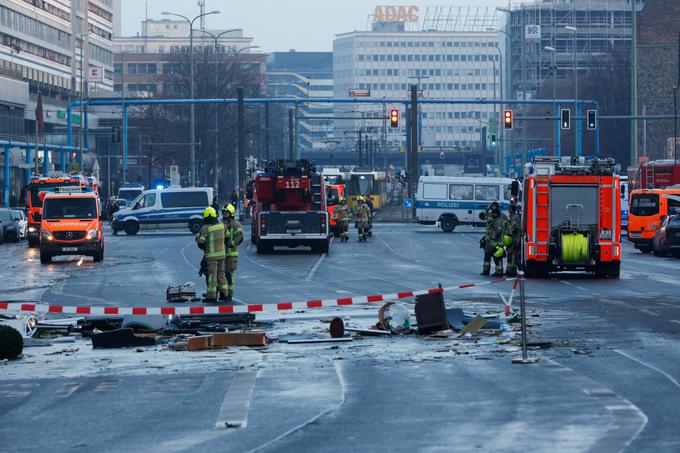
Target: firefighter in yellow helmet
<point x="361" y="216"/>
<point x="341" y="216"/>
<point x="233" y="237"/>
<point x="211" y="240"/>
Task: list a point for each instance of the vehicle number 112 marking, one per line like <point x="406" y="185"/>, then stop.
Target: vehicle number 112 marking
<point x="292" y="184"/>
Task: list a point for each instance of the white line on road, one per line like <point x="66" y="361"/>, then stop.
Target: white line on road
<point x="311" y="273"/>
<point x="67" y="389"/>
<point x="234" y="410"/>
<point x="185" y="258"/>
<point x="392" y="250"/>
<point x="651" y="367"/>
<point x="675" y="321"/>
<point x="649" y="312"/>
<point x="343" y="398"/>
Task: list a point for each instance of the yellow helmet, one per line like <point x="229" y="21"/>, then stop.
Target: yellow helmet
<point x="507" y="239"/>
<point x="499" y="252"/>
<point x="229" y="208"/>
<point x="209" y="212"/>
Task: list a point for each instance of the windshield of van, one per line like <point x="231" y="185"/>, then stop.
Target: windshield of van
<point x="70" y="208"/>
<point x="644" y="204"/>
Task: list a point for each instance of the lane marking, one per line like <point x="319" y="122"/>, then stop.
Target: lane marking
<point x="651" y="367"/>
<point x="67" y="389"/>
<point x="394" y="251"/>
<point x="649" y="312"/>
<point x="675" y="321"/>
<point x="106" y="386"/>
<point x="234" y="409"/>
<point x="626" y="414"/>
<point x="343" y="399"/>
<point x="185" y="258"/>
<point x="311" y="273"/>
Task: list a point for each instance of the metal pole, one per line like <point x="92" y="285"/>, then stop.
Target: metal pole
<point x="579" y="130"/>
<point x="125" y="142"/>
<point x="291" y="146"/>
<point x="576" y="104"/>
<point x="240" y="148"/>
<point x="216" y="169"/>
<point x="69" y="125"/>
<point x="297" y="131"/>
<point x="557" y="120"/>
<point x="266" y="132"/>
<point x="558" y="133"/>
<point x="192" y="112"/>
<point x="5" y="195"/>
<point x="415" y="172"/>
<point x="28" y="162"/>
<point x="633" y="86"/>
<point x="82" y="106"/>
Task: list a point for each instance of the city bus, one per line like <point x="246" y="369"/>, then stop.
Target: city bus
<point x="367" y="184"/>
<point x="648" y="208"/>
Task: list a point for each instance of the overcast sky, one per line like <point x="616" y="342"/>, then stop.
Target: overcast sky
<point x="280" y="25"/>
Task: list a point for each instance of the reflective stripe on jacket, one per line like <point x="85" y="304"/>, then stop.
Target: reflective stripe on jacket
<point x="212" y="237"/>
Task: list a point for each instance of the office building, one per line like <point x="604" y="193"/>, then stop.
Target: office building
<point x="306" y="75"/>
<point x="445" y="58"/>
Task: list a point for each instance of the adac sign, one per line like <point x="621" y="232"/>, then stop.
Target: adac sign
<point x="395" y="14"/>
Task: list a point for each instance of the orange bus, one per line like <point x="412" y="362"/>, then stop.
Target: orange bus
<point x="647" y="209"/>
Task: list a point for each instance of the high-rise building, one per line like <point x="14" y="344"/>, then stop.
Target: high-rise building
<point x="446" y="58"/>
<point x="306" y="75"/>
<point x="42" y="45"/>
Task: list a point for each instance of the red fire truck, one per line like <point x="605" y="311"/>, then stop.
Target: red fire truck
<point x="34" y="201"/>
<point x="571" y="217"/>
<point x="288" y="201"/>
<point x="656" y="174"/>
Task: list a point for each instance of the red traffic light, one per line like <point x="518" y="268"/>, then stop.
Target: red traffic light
<point x="507" y="119"/>
<point x="394" y="118"/>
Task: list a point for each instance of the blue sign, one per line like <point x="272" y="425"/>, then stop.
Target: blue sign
<point x="408" y="203"/>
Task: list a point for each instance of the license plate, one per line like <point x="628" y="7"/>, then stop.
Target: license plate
<point x="294" y="231"/>
<point x="635" y="235"/>
<point x="69" y="249"/>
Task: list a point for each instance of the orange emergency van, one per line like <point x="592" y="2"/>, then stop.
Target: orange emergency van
<point x="647" y="209"/>
<point x="70" y="224"/>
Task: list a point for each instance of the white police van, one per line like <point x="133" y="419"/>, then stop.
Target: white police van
<point x="164" y="208"/>
<point x="458" y="200"/>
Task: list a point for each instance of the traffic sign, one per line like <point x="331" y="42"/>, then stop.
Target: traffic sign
<point x="408" y="203"/>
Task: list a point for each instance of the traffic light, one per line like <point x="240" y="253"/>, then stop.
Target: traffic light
<point x="565" y="122"/>
<point x="493" y="140"/>
<point x="507" y="119"/>
<point x="394" y="118"/>
<point x="592" y="120"/>
<point x="74" y="155"/>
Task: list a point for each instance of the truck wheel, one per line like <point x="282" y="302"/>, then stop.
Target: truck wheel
<point x="131" y="228"/>
<point x="98" y="255"/>
<point x="195" y="226"/>
<point x="45" y="258"/>
<point x="645" y="248"/>
<point x="321" y="247"/>
<point x="448" y="224"/>
<point x="264" y="247"/>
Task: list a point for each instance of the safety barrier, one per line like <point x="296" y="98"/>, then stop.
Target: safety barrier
<point x="226" y="309"/>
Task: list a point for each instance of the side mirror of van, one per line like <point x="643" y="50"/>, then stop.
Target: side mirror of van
<point x="514" y="188"/>
<point x="37" y="217"/>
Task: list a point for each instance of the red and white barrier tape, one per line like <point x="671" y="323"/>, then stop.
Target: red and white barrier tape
<point x="225" y="309"/>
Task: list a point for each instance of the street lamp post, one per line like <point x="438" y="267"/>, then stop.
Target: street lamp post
<point x="500" y="57"/>
<point x="216" y="39"/>
<point x="82" y="108"/>
<point x="553" y="68"/>
<point x="192" y="115"/>
<point x="237" y="157"/>
<point x="574" y="32"/>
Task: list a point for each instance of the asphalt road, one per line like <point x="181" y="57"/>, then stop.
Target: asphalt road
<point x="611" y="381"/>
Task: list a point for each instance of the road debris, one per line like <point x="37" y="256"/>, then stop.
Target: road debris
<point x="11" y="342"/>
<point x="120" y="338"/>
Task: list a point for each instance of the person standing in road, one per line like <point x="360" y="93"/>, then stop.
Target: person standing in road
<point x="233" y="237"/>
<point x="341" y="216"/>
<point x="368" y="205"/>
<point x="211" y="239"/>
<point x="492" y="242"/>
<point x="512" y="240"/>
<point x="361" y="216"/>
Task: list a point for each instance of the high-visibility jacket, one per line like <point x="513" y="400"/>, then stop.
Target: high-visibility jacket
<point x="211" y="239"/>
<point x="233" y="236"/>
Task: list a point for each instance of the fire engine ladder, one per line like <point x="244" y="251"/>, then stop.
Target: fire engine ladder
<point x="316" y="191"/>
<point x="542" y="214"/>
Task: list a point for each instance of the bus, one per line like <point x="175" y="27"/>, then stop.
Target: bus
<point x="367" y="184"/>
<point x="648" y="208"/>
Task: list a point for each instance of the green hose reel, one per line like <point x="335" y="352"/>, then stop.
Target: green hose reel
<point x="575" y="248"/>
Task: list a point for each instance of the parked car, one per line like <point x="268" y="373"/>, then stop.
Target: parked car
<point x="667" y="237"/>
<point x="23" y="223"/>
<point x="10" y="225"/>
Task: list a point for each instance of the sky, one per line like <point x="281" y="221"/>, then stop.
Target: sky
<point x="280" y="25"/>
